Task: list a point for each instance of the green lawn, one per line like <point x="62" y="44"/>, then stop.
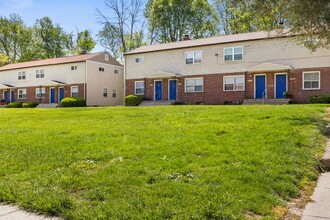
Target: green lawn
<point x="171" y="162"/>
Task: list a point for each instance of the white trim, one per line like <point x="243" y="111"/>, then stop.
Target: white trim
<point x="140" y="58"/>
<point x="224" y="83"/>
<point x="303" y="80"/>
<point x="168" y="95"/>
<point x="144" y="87"/>
<point x="40" y="90"/>
<point x="3" y="94"/>
<point x="158" y="80"/>
<point x="71" y="90"/>
<point x="106" y="64"/>
<point x="18" y="93"/>
<point x="286" y="83"/>
<point x="255" y="91"/>
<point x="195" y="51"/>
<point x="116" y="92"/>
<point x="50" y="96"/>
<point x="185" y="85"/>
<point x="233" y="53"/>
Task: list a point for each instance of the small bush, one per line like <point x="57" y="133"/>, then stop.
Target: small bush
<point x="73" y="102"/>
<point x="14" y="105"/>
<point x="133" y="100"/>
<point x="30" y="104"/>
<point x="319" y="99"/>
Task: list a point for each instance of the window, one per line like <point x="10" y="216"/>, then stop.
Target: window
<point x="311" y="80"/>
<point x="74" y="91"/>
<point x="40" y="74"/>
<point x="194" y="57"/>
<point x="105" y="92"/>
<point x="139" y="60"/>
<point x="116" y="71"/>
<point x="114" y="93"/>
<point x="233" y="53"/>
<point x="74" y="68"/>
<point x="194" y="85"/>
<point x="40" y="93"/>
<point x="139" y="87"/>
<point x="106" y="57"/>
<point x="101" y="69"/>
<point x="22" y="94"/>
<point x="233" y="83"/>
<point x="21" y="75"/>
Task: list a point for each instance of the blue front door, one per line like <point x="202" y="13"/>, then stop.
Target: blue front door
<point x="52" y="95"/>
<point x="12" y="96"/>
<point x="173" y="90"/>
<point x="5" y="96"/>
<point x="158" y="90"/>
<point x="280" y="85"/>
<point x="61" y="94"/>
<point x="260" y="86"/>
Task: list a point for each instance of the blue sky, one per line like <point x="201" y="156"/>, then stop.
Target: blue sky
<point x="70" y="14"/>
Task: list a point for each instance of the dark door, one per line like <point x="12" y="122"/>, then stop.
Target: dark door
<point x="52" y="95"/>
<point x="280" y="85"/>
<point x="260" y="86"/>
<point x="5" y="96"/>
<point x="173" y="90"/>
<point x="12" y="96"/>
<point x="61" y="94"/>
<point x="158" y="90"/>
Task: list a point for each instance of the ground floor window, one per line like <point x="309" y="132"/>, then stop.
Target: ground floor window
<point x="74" y="91"/>
<point x="114" y="93"/>
<point x="311" y="80"/>
<point x="105" y="92"/>
<point x="22" y="94"/>
<point x="40" y="93"/>
<point x="233" y="83"/>
<point x="194" y="85"/>
<point x="139" y="87"/>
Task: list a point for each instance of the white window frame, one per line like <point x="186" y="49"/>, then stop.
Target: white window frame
<point x="233" y="53"/>
<point x="234" y="87"/>
<point x="194" y="57"/>
<point x="101" y="69"/>
<point x="74" y="68"/>
<point x="40" y="91"/>
<point x="138" y="60"/>
<point x="141" y="81"/>
<point x="116" y="71"/>
<point x="23" y="95"/>
<point x="21" y="75"/>
<point x="114" y="93"/>
<point x="303" y="80"/>
<point x="40" y="74"/>
<point x="71" y="91"/>
<point x="105" y="92"/>
<point x="185" y="85"/>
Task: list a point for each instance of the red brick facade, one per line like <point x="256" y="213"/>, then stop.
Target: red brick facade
<point x="213" y="91"/>
<point x="31" y="93"/>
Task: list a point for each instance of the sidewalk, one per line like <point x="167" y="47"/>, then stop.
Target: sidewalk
<point x="14" y="213"/>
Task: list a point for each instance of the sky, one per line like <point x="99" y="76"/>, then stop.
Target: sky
<point x="70" y="14"/>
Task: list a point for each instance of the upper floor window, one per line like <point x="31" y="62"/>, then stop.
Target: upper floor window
<point x="194" y="85"/>
<point x="139" y="87"/>
<point x="74" y="91"/>
<point x="311" y="80"/>
<point x="40" y="74"/>
<point x="21" y="75"/>
<point x="101" y="69"/>
<point x="40" y="93"/>
<point x="233" y="53"/>
<point x="233" y="83"/>
<point x="116" y="71"/>
<point x="194" y="57"/>
<point x="105" y="92"/>
<point x="22" y="94"/>
<point x="139" y="60"/>
<point x="74" y="68"/>
<point x="106" y="57"/>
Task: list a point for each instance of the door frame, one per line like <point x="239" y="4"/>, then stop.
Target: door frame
<point x="286" y="86"/>
<point x="3" y="94"/>
<point x="169" y="92"/>
<point x="50" y="95"/>
<point x="10" y="96"/>
<point x="59" y="94"/>
<point x="158" y="80"/>
<point x="255" y="83"/>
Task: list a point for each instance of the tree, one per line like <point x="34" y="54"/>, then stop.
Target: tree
<point x="85" y="43"/>
<point x="171" y="19"/>
<point x="3" y="60"/>
<point x="124" y="27"/>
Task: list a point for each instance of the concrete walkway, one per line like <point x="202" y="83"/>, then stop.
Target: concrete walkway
<point x="14" y="213"/>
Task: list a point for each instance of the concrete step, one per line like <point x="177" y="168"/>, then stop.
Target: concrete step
<point x="46" y="105"/>
<point x="266" y="101"/>
<point x="155" y="103"/>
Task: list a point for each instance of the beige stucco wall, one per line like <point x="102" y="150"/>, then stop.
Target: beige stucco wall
<point x="279" y="51"/>
<point x="97" y="81"/>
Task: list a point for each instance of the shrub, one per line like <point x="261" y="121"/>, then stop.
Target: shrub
<point x="133" y="100"/>
<point x="73" y="102"/>
<point x="30" y="104"/>
<point x="14" y="105"/>
<point x="319" y="99"/>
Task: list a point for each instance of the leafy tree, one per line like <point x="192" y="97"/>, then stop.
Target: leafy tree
<point x="85" y="43"/>
<point x="3" y="60"/>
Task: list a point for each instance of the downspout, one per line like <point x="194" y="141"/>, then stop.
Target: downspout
<point x="85" y="92"/>
<point x="125" y="75"/>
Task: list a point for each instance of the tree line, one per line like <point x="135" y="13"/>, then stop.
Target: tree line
<point x="127" y="25"/>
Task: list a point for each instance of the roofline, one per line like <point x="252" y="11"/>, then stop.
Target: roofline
<point x="18" y="68"/>
<point x="202" y="45"/>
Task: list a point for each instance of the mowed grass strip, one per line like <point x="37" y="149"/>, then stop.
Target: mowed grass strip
<point x="170" y="162"/>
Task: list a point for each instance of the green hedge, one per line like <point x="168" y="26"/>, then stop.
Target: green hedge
<point x="73" y="102"/>
<point x="30" y="104"/>
<point x="319" y="99"/>
<point x="22" y="105"/>
<point x="133" y="100"/>
<point x="14" y="105"/>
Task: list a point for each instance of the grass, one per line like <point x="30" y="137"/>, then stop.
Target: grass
<point x="171" y="162"/>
